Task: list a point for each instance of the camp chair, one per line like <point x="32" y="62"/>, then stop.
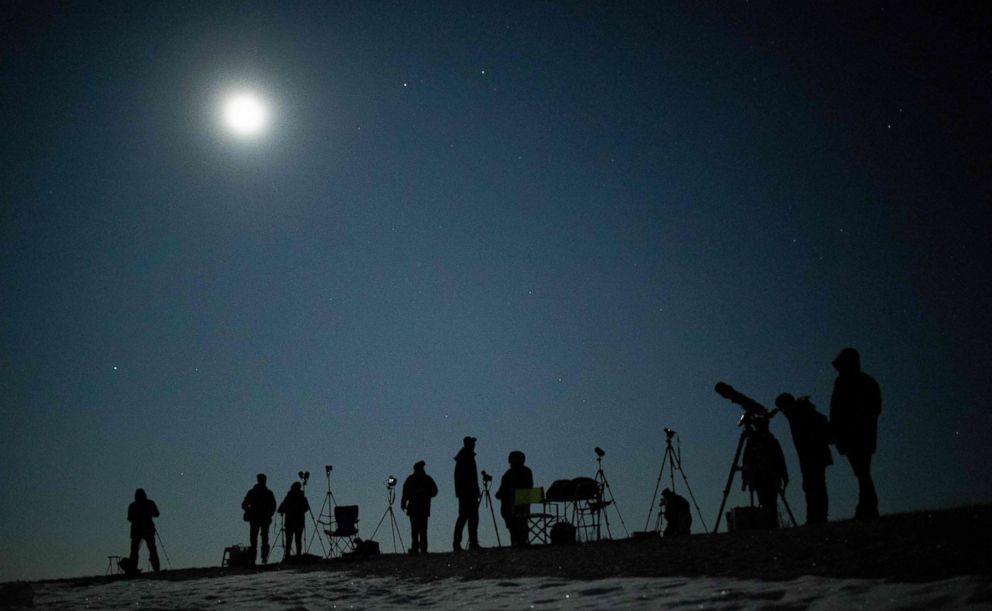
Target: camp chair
<point x="538" y="524"/>
<point x="342" y="537"/>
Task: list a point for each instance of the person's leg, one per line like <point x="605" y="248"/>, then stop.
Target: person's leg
<point x="135" y="546"/>
<point x="460" y="522"/>
<point x="423" y="535"/>
<point x="867" y="498"/>
<point x="768" y="501"/>
<point x="264" y="531"/>
<point x="815" y="487"/>
<point x="152" y="552"/>
<point x="414" y="534"/>
<point x="473" y="525"/>
<point x="253" y="539"/>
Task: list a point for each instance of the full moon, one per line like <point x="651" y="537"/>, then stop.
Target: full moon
<point x="245" y="114"/>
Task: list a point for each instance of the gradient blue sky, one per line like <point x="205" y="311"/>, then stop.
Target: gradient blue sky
<point x="551" y="226"/>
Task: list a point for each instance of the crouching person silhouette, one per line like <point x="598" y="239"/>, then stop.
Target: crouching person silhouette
<point x="140" y="514"/>
<point x="678" y="518"/>
<point x="259" y="506"/>
<point x="418" y="490"/>
<point x="294" y="510"/>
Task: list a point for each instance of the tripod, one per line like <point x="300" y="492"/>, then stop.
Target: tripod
<point x="487" y="481"/>
<point x="329" y="503"/>
<point x="394" y="527"/>
<point x="673" y="458"/>
<point x="747" y="422"/>
<point x="603" y="486"/>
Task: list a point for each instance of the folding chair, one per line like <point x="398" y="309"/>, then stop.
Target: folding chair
<point x="342" y="538"/>
<point x="538" y="524"/>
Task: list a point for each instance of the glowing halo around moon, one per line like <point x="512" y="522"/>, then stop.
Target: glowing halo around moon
<point x="245" y="114"/>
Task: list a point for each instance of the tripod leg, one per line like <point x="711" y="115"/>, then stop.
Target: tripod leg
<point x="730" y="479"/>
<point x="489" y="502"/>
<point x="657" y="485"/>
<point x="691" y="495"/>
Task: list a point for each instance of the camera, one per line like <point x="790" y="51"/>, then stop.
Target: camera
<point x="328" y="469"/>
<point x="669" y="433"/>
<point x="600" y="451"/>
<point x="390" y="481"/>
<point x="305" y="476"/>
<point x="486" y="478"/>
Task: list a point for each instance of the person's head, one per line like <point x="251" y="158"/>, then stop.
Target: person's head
<point x="848" y="361"/>
<point x="785" y="402"/>
<point x="139" y="494"/>
<point x="296" y="486"/>
<point x="418" y="467"/>
<point x="260" y="478"/>
<point x="469" y="442"/>
<point x="516" y="458"/>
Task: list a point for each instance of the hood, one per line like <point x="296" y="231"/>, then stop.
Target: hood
<point x="848" y="361"/>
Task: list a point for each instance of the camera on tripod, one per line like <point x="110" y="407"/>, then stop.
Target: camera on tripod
<point x="486" y="478"/>
<point x="669" y="433"/>
<point x="305" y="476"/>
<point x="391" y="482"/>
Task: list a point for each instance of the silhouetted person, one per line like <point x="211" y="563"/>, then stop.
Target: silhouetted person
<point x="764" y="470"/>
<point x="418" y="490"/>
<point x="259" y="506"/>
<point x="467" y="491"/>
<point x="517" y="476"/>
<point x="294" y="510"/>
<point x="811" y="435"/>
<point x="854" y="409"/>
<point x="140" y="514"/>
<point x="678" y="518"/>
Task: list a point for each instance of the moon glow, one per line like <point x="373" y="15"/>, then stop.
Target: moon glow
<point x="245" y="114"/>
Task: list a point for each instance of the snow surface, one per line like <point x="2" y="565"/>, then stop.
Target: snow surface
<point x="330" y="590"/>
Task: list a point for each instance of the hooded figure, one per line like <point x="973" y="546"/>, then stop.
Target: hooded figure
<point x="811" y="436"/>
<point x="259" y="506"/>
<point x="517" y="476"/>
<point x="294" y="510"/>
<point x="418" y="490"/>
<point x="467" y="491"/>
<point x="854" y="409"/>
<point x="140" y="514"/>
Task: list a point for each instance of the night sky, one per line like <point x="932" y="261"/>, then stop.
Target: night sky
<point x="551" y="226"/>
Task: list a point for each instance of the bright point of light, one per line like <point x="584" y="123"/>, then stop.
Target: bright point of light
<point x="245" y="114"/>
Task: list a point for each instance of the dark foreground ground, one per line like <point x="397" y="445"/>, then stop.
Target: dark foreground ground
<point x="920" y="546"/>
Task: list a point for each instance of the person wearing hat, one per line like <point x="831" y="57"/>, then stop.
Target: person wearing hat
<point x="418" y="490"/>
<point x="517" y="476"/>
<point x="467" y="491"/>
<point x="294" y="510"/>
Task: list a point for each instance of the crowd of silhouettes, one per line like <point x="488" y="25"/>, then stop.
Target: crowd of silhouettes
<point x="855" y="406"/>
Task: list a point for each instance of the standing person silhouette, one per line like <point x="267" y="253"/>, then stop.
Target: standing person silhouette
<point x="764" y="471"/>
<point x="140" y="514"/>
<point x="418" y="490"/>
<point x="811" y="436"/>
<point x="855" y="406"/>
<point x="467" y="491"/>
<point x="259" y="506"/>
<point x="517" y="476"/>
<point x="294" y="509"/>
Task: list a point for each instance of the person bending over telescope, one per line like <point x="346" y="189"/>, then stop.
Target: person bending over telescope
<point x="294" y="510"/>
<point x="811" y="435"/>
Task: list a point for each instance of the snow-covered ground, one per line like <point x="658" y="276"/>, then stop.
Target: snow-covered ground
<point x="328" y="590"/>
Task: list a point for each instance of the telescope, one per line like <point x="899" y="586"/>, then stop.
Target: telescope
<point x="752" y="409"/>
